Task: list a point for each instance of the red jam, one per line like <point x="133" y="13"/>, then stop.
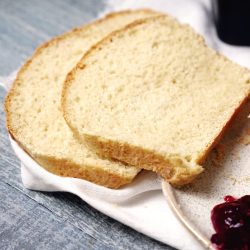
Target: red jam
<point x="231" y="221"/>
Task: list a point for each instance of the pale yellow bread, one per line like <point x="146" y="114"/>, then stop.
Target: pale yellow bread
<point x="155" y="96"/>
<point x="33" y="110"/>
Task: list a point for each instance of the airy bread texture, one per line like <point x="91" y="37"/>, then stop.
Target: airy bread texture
<point x="155" y="96"/>
<point x="33" y="106"/>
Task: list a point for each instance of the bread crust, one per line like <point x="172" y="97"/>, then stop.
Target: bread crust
<point x="54" y="165"/>
<point x="133" y="155"/>
<point x="146" y="159"/>
<point x="92" y="173"/>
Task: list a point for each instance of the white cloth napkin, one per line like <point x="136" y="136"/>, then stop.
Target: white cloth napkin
<point x="140" y="205"/>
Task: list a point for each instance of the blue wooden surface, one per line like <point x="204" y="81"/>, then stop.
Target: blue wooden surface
<point x="40" y="220"/>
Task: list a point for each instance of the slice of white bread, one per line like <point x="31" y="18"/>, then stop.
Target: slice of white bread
<point x="155" y="96"/>
<point x="33" y="106"/>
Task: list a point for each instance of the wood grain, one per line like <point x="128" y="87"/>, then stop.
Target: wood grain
<point x="40" y="220"/>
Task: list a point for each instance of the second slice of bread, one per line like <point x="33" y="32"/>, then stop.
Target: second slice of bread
<point x="154" y="96"/>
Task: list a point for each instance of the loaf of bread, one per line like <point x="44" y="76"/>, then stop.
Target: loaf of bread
<point x="33" y="106"/>
<point x="155" y="96"/>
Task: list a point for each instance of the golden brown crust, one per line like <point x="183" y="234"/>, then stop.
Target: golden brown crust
<point x="146" y="159"/>
<point x="102" y="177"/>
<point x="95" y="174"/>
<point x="67" y="168"/>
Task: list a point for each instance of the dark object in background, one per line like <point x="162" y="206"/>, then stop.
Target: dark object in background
<point x="232" y="18"/>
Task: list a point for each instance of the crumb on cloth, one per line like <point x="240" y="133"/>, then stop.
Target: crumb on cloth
<point x="245" y="137"/>
<point x="219" y="154"/>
